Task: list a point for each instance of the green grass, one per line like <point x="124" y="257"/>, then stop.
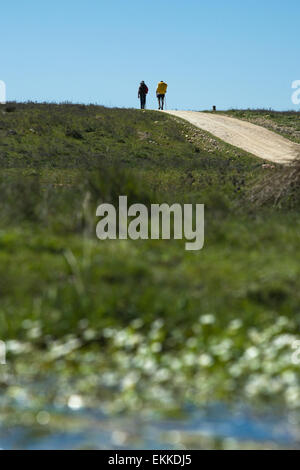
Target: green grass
<point x="122" y="322"/>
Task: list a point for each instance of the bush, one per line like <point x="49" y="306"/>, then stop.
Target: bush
<point x="281" y="187"/>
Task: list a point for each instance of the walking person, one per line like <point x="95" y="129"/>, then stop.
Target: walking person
<point x="143" y="90"/>
<point x="160" y="93"/>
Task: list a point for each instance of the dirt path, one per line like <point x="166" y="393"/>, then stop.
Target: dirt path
<point x="245" y="135"/>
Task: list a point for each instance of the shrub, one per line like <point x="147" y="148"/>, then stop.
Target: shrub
<point x="281" y="187"/>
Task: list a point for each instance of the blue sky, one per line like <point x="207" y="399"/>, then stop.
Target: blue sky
<point x="228" y="53"/>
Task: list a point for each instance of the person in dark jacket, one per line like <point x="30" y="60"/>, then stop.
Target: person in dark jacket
<point x="143" y="90"/>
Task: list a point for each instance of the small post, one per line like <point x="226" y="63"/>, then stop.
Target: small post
<point x="214" y="108"/>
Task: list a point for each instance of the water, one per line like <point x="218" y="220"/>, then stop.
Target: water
<point x="214" y="427"/>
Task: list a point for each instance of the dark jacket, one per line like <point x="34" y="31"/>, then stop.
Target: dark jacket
<point x="143" y="90"/>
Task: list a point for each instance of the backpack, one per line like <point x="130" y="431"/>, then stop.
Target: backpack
<point x="144" y="89"/>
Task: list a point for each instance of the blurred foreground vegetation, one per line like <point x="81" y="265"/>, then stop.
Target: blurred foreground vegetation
<point x="139" y="325"/>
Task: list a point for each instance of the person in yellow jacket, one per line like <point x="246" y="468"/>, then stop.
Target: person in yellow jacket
<point x="160" y="93"/>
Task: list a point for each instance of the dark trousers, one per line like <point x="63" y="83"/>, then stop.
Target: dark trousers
<point x="143" y="100"/>
<point x="161" y="101"/>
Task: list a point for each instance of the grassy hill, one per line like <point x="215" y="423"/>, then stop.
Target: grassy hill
<point x="121" y="323"/>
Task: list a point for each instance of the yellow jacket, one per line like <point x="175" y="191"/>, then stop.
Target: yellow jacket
<point x="161" y="88"/>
